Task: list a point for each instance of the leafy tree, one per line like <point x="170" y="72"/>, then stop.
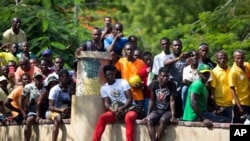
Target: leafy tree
<point x="146" y="19"/>
<point x="227" y="28"/>
<point x="48" y="24"/>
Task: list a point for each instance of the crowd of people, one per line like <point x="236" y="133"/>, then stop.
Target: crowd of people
<point x="32" y="88"/>
<point x="175" y="85"/>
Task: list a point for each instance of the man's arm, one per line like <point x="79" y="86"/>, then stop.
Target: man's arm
<point x="172" y="105"/>
<point x="236" y="99"/>
<point x="174" y="60"/>
<point x="8" y="104"/>
<point x="151" y="102"/>
<point x="22" y="105"/>
<point x="194" y="105"/>
<point x="112" y="46"/>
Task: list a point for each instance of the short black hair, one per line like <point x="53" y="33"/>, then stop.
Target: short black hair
<point x="164" y="69"/>
<point x="62" y="72"/>
<point x="146" y="53"/>
<point x="108" y="68"/>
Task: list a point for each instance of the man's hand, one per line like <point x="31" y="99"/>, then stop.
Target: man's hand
<point x="173" y="120"/>
<point x="119" y="35"/>
<point x="208" y="123"/>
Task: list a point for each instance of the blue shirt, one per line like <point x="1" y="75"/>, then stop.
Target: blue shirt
<point x="118" y="45"/>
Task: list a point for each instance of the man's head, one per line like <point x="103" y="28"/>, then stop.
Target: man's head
<point x="16" y="23"/>
<point x="176" y="47"/>
<point x="203" y="50"/>
<point x="147" y="58"/>
<point x="239" y="57"/>
<point x="52" y="81"/>
<point x="64" y="77"/>
<point x="222" y="59"/>
<point x="165" y="44"/>
<point x="109" y="73"/>
<point x="5" y="70"/>
<point x="59" y="63"/>
<point x="25" y="47"/>
<point x="193" y="57"/>
<point x="107" y="20"/>
<point x="129" y="50"/>
<point x="24" y="64"/>
<point x="14" y="48"/>
<point x="38" y="78"/>
<point x="137" y="53"/>
<point x="164" y="75"/>
<point x="25" y="79"/>
<point x="3" y="81"/>
<point x="204" y="72"/>
<point x="96" y="34"/>
<point x="133" y="39"/>
<point x="48" y="55"/>
<point x="118" y="28"/>
<point x="44" y="65"/>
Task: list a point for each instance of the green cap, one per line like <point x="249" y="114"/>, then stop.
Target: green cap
<point x="203" y="68"/>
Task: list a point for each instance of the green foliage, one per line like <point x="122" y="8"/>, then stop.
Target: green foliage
<point x="48" y="24"/>
<point x="227" y="28"/>
<point x="148" y="18"/>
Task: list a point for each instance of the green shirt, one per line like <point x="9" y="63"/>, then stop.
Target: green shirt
<point x="200" y="90"/>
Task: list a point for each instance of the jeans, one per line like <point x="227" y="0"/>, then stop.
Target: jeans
<point x="215" y="118"/>
<point x="184" y="93"/>
<point x="146" y="103"/>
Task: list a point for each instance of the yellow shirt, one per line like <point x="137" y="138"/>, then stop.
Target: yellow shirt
<point x="10" y="37"/>
<point x="5" y="57"/>
<point x="240" y="81"/>
<point x="223" y="95"/>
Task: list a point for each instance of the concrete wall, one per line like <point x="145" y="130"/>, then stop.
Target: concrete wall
<point x="85" y="112"/>
<point x="87" y="108"/>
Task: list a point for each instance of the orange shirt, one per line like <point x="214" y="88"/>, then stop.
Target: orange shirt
<point x="15" y="96"/>
<point x="31" y="72"/>
<point x="129" y="69"/>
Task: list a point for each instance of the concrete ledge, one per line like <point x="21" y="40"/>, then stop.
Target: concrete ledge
<point x="41" y="122"/>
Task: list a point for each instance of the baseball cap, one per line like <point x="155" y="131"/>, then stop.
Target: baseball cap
<point x="37" y="74"/>
<point x="2" y="78"/>
<point x="50" y="79"/>
<point x="203" y="68"/>
<point x="47" y="52"/>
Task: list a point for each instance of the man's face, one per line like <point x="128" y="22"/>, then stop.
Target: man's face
<point x="25" y="47"/>
<point x="129" y="50"/>
<point x="148" y="60"/>
<point x="44" y="65"/>
<point x="64" y="79"/>
<point x="204" y="76"/>
<point x="110" y="76"/>
<point x="117" y="29"/>
<point x="38" y="80"/>
<point x="222" y="60"/>
<point x="165" y="45"/>
<point x="59" y="64"/>
<point x="16" y="23"/>
<point x="107" y="20"/>
<point x="176" y="47"/>
<point x="239" y="59"/>
<point x="163" y="77"/>
<point x="96" y="35"/>
<point x="25" y="65"/>
<point x="203" y="51"/>
<point x="25" y="80"/>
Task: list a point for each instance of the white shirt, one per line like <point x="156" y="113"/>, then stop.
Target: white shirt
<point x="115" y="92"/>
<point x="158" y="62"/>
